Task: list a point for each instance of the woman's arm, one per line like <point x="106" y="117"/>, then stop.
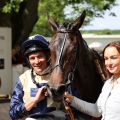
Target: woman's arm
<point x="83" y="106"/>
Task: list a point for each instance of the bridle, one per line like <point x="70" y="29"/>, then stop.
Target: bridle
<point x="70" y="75"/>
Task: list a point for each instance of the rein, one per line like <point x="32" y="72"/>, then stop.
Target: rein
<point x="68" y="110"/>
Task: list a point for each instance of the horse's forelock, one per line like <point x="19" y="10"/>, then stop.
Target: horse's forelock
<point x="66" y="26"/>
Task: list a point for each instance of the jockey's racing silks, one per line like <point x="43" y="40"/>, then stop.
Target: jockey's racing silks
<point x="24" y="91"/>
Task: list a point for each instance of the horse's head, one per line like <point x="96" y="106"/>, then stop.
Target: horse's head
<point x="64" y="49"/>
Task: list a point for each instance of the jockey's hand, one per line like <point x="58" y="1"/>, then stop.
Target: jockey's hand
<point x="41" y="93"/>
<point x="68" y="97"/>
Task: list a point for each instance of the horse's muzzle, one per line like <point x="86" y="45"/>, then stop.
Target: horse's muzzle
<point x="56" y="92"/>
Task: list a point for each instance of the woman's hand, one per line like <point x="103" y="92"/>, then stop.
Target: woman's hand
<point x="68" y="97"/>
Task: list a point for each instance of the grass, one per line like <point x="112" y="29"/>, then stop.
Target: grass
<point x="101" y="32"/>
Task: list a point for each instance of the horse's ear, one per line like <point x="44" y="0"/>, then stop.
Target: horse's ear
<point x="79" y="21"/>
<point x="53" y="24"/>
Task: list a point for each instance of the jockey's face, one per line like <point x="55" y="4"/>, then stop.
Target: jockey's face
<point x="38" y="61"/>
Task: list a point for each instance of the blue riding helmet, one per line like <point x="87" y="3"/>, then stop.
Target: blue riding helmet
<point x="33" y="44"/>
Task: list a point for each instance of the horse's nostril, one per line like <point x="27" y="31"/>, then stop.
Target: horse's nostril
<point x="61" y="89"/>
<point x="52" y="89"/>
<point x="54" y="92"/>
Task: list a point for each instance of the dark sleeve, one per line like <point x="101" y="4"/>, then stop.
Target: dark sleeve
<point x="17" y="109"/>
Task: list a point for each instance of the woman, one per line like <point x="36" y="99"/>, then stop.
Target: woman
<point x="108" y="103"/>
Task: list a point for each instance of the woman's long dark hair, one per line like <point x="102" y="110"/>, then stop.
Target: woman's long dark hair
<point x="115" y="44"/>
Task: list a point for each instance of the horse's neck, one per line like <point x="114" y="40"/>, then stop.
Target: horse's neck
<point x="85" y="63"/>
<point x="85" y="55"/>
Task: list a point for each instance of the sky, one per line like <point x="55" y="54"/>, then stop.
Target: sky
<point x="108" y="22"/>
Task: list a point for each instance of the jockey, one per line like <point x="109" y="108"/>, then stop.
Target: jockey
<point x="30" y="96"/>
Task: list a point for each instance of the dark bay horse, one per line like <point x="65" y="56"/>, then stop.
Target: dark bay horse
<point x="73" y="63"/>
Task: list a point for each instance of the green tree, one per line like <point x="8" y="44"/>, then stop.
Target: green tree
<point x="57" y="8"/>
<point x="53" y="8"/>
<point x="21" y="16"/>
<point x="27" y="17"/>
